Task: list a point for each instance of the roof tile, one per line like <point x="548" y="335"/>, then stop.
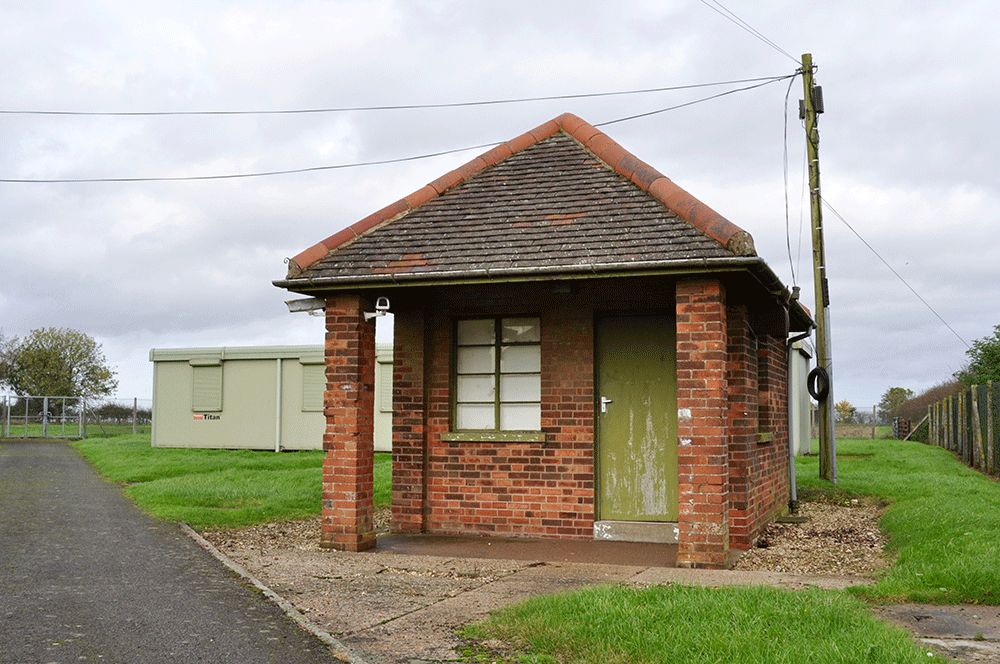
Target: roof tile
<point x="562" y="197"/>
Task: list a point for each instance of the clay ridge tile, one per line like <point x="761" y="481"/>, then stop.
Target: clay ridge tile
<point x="659" y="186"/>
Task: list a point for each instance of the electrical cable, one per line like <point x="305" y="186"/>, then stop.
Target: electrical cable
<point x="697" y="101"/>
<point x="233" y="176"/>
<point x="730" y="16"/>
<point x="784" y="173"/>
<point x="898" y="276"/>
<point x="401" y="107"/>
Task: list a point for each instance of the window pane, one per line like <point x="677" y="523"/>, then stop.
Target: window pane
<point x="476" y="388"/>
<point x="521" y="359"/>
<point x="520" y="417"/>
<point x="521" y="330"/>
<point x="521" y="388"/>
<point x="476" y="332"/>
<point x="475" y="416"/>
<point x="476" y="359"/>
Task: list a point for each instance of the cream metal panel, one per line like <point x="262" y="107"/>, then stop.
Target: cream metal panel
<point x="271" y="398"/>
<point x="383" y="397"/>
<point x="801" y="405"/>
<point x="302" y="428"/>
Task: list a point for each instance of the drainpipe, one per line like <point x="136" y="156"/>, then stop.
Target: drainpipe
<point x="277" y="408"/>
<point x="793" y="499"/>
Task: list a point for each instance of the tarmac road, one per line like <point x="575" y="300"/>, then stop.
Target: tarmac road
<point x="85" y="576"/>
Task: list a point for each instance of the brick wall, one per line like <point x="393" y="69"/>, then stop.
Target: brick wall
<point x="730" y="387"/>
<point x="741" y="374"/>
<point x="348" y="404"/>
<point x="758" y="437"/>
<point x="702" y="424"/>
<point x="519" y="488"/>
<point x="409" y="423"/>
<point x="770" y="480"/>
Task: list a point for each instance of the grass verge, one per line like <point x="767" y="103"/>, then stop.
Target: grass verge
<point x="219" y="488"/>
<point x="942" y="521"/>
<point x="732" y="625"/>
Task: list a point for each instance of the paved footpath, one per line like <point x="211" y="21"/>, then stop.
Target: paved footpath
<point x="85" y="576"/>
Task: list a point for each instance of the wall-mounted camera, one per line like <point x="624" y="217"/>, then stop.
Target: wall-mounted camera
<point x="381" y="308"/>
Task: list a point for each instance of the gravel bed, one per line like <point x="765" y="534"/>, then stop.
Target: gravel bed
<point x="842" y="540"/>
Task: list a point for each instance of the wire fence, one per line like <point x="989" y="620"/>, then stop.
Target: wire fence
<point x="863" y="422"/>
<point x="73" y="417"/>
<point x="967" y="424"/>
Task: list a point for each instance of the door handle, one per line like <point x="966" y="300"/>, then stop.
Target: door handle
<point x="604" y="404"/>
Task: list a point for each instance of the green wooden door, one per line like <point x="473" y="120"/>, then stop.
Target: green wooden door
<point x="637" y="418"/>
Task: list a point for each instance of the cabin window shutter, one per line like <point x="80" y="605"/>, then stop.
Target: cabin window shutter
<point x="206" y="387"/>
<point x="313" y="385"/>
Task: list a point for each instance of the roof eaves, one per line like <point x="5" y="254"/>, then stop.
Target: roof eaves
<point x="309" y="285"/>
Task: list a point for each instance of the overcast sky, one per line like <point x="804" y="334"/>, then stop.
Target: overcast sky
<point x="910" y="151"/>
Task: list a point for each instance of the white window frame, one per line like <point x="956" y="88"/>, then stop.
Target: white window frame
<point x="497" y="380"/>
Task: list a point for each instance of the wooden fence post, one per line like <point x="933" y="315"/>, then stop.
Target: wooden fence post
<point x="949" y="437"/>
<point x="991" y="459"/>
<point x="976" y="437"/>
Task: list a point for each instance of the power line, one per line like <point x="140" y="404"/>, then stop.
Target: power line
<point x="784" y="171"/>
<point x="697" y="101"/>
<point x="258" y="174"/>
<point x="234" y="176"/>
<point x="891" y="269"/>
<point x="718" y="7"/>
<point x="400" y="107"/>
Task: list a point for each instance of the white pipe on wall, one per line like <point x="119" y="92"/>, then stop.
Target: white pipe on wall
<point x="277" y="407"/>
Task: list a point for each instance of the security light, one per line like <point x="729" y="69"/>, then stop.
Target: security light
<point x="314" y="305"/>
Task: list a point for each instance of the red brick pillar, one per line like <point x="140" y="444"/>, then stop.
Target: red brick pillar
<point x="702" y="425"/>
<point x="349" y="440"/>
<point x="409" y="424"/>
<point x="741" y="370"/>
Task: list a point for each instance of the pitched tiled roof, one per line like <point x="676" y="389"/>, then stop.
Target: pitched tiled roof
<point x="561" y="199"/>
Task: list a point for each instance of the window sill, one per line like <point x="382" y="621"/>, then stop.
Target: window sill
<point x="765" y="438"/>
<point x="493" y="436"/>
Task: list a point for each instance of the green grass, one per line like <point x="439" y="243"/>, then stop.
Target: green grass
<point x="732" y="625"/>
<point x="219" y="488"/>
<point x="68" y="429"/>
<point x="943" y="521"/>
<point x="71" y="429"/>
<point x="107" y="430"/>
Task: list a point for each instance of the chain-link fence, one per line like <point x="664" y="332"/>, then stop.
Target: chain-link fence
<point x="861" y="422"/>
<point x="73" y="417"/>
<point x="114" y="417"/>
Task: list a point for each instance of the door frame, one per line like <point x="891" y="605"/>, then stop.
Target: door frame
<point x="670" y="315"/>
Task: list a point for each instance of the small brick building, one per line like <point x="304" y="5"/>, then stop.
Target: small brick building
<point x="581" y="350"/>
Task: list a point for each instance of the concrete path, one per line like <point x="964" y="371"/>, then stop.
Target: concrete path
<point x="85" y="576"/>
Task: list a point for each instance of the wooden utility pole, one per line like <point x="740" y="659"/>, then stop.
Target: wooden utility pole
<point x="812" y="106"/>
